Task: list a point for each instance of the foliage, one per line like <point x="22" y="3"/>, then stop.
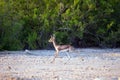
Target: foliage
<point x="29" y="23"/>
<point x="62" y="37"/>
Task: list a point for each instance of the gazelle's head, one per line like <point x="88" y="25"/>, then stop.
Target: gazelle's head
<point x="52" y="38"/>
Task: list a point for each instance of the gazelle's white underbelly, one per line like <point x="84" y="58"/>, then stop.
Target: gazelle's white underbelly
<point x="64" y="50"/>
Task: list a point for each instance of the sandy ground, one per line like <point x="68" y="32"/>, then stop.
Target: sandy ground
<point x="85" y="64"/>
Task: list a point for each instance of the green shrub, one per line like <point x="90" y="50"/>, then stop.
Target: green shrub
<point x="62" y="37"/>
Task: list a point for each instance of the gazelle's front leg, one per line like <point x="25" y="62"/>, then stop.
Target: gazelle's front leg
<point x="55" y="55"/>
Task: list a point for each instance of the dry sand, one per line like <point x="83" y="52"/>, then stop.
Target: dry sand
<point x="86" y="64"/>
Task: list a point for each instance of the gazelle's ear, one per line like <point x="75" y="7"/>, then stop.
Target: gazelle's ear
<point x="54" y="35"/>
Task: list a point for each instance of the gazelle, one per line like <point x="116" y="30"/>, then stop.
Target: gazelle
<point x="59" y="48"/>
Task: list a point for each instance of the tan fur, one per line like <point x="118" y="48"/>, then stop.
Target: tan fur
<point x="59" y="48"/>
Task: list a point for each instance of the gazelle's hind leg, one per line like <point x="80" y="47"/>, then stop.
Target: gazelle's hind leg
<point x="68" y="55"/>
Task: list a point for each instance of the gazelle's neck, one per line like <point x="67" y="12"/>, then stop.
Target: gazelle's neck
<point x="54" y="44"/>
